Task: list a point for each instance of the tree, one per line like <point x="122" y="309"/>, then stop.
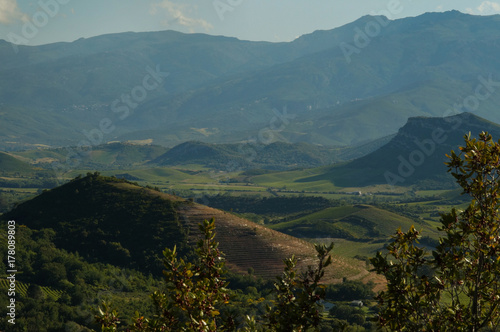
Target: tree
<point x="193" y="292"/>
<point x="196" y="292"/>
<point x="457" y="288"/>
<point x="35" y="292"/>
<point x="297" y="305"/>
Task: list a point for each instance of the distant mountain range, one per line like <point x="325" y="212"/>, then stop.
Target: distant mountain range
<point x="343" y="86"/>
<point x="226" y="157"/>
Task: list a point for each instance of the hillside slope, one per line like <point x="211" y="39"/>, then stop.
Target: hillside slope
<point x="16" y="172"/>
<point x="418" y="152"/>
<point x="11" y="165"/>
<point x="104" y="223"/>
<point x="113" y="221"/>
<point x="415" y="155"/>
<point x="249" y="245"/>
<point x="358" y="222"/>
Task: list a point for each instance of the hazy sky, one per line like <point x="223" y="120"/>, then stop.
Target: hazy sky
<point x="47" y="21"/>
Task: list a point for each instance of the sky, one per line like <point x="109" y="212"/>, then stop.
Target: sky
<point x="48" y="21"/>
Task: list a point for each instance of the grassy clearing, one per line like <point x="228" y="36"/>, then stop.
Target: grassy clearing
<point x="296" y="180"/>
<point x="347" y="248"/>
<point x="20" y="190"/>
<point x="313" y="180"/>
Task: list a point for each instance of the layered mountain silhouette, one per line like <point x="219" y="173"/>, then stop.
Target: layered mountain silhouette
<point x="172" y="87"/>
<point x="276" y="155"/>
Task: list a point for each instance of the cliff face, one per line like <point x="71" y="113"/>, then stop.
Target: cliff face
<point x="418" y="151"/>
<point x="446" y="133"/>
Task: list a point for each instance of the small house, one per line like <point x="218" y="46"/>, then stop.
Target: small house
<point x="356" y="304"/>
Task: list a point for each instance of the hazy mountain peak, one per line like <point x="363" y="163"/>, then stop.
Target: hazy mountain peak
<point x="222" y="89"/>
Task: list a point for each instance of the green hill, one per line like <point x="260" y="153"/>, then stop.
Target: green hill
<point x="415" y="155"/>
<point x="200" y="153"/>
<point x="358" y="222"/>
<point x="104" y="223"/>
<point x="275" y="156"/>
<point x="99" y="238"/>
<point x="17" y="173"/>
<point x="11" y="165"/>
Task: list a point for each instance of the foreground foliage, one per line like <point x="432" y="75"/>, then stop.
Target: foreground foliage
<point x="55" y="288"/>
<point x="457" y="288"/>
<point x="195" y="295"/>
<point x="66" y="271"/>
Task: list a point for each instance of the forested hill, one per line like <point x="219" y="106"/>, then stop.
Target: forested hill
<point x="15" y="173"/>
<point x="114" y="221"/>
<point x="277" y="155"/>
<point x="101" y="221"/>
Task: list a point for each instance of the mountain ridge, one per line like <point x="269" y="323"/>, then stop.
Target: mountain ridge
<point x="233" y="87"/>
<point x="276" y="155"/>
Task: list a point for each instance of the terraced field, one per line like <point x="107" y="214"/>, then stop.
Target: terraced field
<point x="249" y="245"/>
<point x="22" y="288"/>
